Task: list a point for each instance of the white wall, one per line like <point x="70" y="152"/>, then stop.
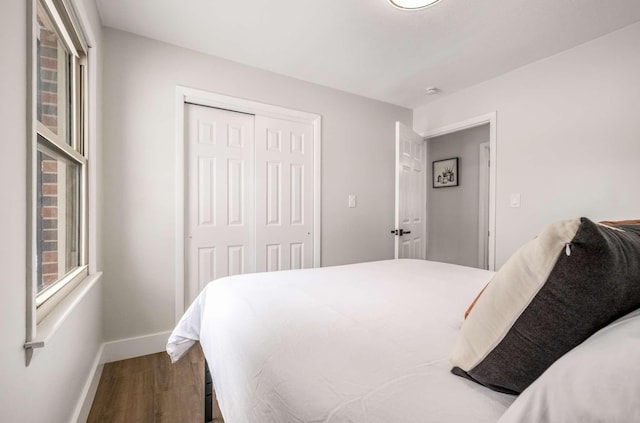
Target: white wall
<point x="140" y="79"/>
<point x="452" y="234"/>
<point x="568" y="135"/>
<point x="47" y="390"/>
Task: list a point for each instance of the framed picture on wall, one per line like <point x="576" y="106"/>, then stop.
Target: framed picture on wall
<point x="445" y="173"/>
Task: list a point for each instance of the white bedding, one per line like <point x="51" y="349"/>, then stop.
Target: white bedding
<point x="366" y="342"/>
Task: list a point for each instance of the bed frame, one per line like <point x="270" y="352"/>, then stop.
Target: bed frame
<point x="208" y="394"/>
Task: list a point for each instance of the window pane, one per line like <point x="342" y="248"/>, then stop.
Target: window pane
<point x="52" y="79"/>
<point x="58" y="224"/>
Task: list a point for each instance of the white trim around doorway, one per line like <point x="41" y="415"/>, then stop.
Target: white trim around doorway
<point x="220" y="101"/>
<point x="491" y="119"/>
<point x="484" y="161"/>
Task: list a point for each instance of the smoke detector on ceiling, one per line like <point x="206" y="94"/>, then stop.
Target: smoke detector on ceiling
<point x="412" y="4"/>
<point x="431" y="90"/>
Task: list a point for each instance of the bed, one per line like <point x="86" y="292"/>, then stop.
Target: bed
<point x="557" y="328"/>
<point x="365" y="342"/>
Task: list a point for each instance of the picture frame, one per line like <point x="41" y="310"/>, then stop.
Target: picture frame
<point x="445" y="173"/>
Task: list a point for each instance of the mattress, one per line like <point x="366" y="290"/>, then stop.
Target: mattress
<point x="366" y="342"/>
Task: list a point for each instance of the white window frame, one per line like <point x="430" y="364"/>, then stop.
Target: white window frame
<point x="39" y="306"/>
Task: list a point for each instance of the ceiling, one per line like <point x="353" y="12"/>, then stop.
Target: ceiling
<point x="368" y="47"/>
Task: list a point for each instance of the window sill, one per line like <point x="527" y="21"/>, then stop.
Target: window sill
<point x="47" y="328"/>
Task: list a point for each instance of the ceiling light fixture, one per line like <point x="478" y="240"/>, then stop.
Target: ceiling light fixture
<point x="432" y="90"/>
<point x="412" y="4"/>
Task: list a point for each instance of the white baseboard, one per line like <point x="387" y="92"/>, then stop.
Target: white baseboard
<point x="123" y="349"/>
<point x="83" y="408"/>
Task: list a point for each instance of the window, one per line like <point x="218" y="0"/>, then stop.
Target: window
<point x="58" y="157"/>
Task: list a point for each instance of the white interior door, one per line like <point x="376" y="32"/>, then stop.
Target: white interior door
<point x="284" y="194"/>
<point x="411" y="194"/>
<point x="220" y="215"/>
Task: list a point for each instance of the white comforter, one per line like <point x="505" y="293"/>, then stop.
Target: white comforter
<point x="366" y="342"/>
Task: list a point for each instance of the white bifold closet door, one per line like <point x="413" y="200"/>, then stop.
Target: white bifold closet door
<point x="284" y="194"/>
<point x="250" y="195"/>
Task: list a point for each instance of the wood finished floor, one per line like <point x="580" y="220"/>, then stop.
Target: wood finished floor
<point x="150" y="389"/>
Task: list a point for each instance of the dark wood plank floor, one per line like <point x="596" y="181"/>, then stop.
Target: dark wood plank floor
<point x="150" y="389"/>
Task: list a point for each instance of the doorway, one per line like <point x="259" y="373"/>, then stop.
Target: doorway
<point x="489" y="119"/>
<point x="457" y="210"/>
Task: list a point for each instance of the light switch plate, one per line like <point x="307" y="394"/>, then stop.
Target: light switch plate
<point x="514" y="200"/>
<point x="352" y="201"/>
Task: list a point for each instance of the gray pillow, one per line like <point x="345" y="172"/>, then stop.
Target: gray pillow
<point x="551" y="295"/>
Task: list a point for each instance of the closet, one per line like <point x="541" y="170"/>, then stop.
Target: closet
<point x="249" y="194"/>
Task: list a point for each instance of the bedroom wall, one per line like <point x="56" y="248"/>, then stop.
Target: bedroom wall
<point x="568" y="135"/>
<point x="358" y="147"/>
<point x="452" y="235"/>
<point x="49" y="389"/>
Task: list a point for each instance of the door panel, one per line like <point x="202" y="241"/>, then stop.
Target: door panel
<point x="206" y="193"/>
<point x="236" y="260"/>
<point x="411" y="194"/>
<point x="274" y="257"/>
<point x="297" y="255"/>
<point x="274" y="194"/>
<point x="284" y="195"/>
<point x="206" y="265"/>
<point x="220" y="195"/>
<point x="297" y="194"/>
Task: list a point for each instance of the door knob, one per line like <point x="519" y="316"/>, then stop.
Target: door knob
<point x="400" y="232"/>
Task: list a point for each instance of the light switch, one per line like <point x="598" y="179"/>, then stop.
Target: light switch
<point x="352" y="201"/>
<point x="514" y="200"/>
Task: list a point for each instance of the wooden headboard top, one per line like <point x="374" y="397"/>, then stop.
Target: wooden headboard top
<point x="620" y="222"/>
